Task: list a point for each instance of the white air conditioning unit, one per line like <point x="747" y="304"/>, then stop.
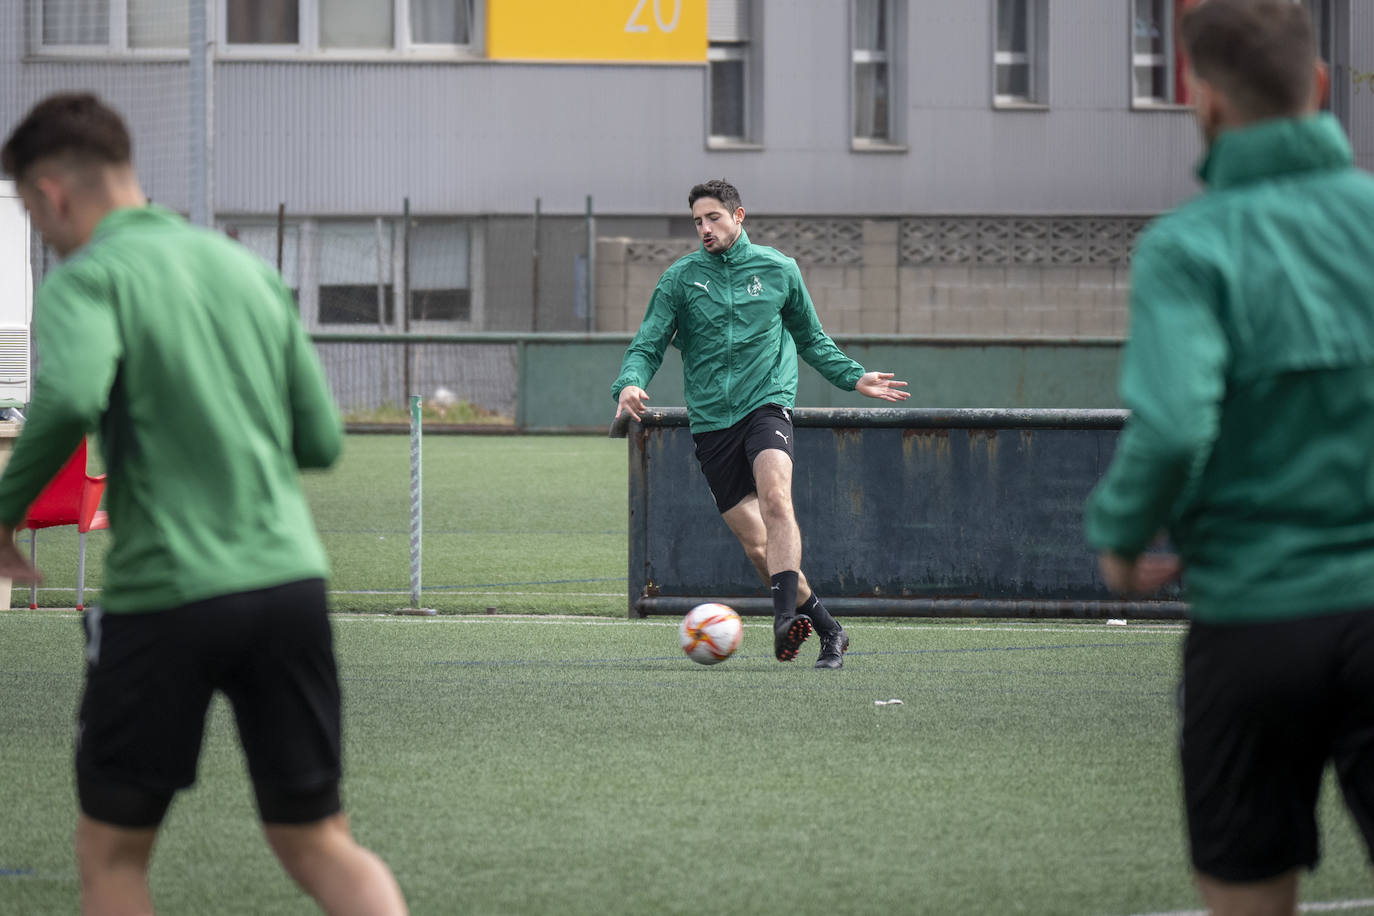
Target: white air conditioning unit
<point x="16" y="298"/>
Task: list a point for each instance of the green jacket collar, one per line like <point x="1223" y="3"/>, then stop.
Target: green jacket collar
<point x="124" y="216"/>
<point x="736" y="252"/>
<point x="1281" y="146"/>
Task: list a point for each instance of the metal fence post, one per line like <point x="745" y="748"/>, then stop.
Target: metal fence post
<point x="416" y="520"/>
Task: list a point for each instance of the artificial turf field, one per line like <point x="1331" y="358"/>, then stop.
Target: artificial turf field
<point x="546" y="764"/>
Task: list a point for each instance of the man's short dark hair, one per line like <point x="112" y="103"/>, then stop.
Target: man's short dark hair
<point x="717" y="188"/>
<point x="76" y="126"/>
<point x="1259" y="53"/>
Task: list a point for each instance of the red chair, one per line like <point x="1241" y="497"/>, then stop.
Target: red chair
<point x="70" y="498"/>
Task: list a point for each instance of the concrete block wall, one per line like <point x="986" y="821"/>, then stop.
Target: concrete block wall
<point x="881" y="295"/>
<point x="1026" y="301"/>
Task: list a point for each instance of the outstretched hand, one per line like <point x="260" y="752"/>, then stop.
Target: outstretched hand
<point x="881" y="386"/>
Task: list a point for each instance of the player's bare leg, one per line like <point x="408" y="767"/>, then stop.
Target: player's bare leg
<point x="782" y="550"/>
<point x="745" y="521"/>
<point x="345" y="878"/>
<point x="112" y="863"/>
<point x="773" y="481"/>
<point x="1275" y="897"/>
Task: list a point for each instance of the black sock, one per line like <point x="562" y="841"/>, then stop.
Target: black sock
<point x="820" y="617"/>
<point x="785" y="594"/>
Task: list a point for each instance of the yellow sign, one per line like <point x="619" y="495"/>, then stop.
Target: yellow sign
<point x="659" y="31"/>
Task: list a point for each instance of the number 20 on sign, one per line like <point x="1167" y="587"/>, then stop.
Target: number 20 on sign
<point x="636" y="22"/>
<point x="649" y="31"/>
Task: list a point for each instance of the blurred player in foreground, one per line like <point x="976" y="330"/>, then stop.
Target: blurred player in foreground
<point x="1250" y="377"/>
<point x="186" y="353"/>
<point x="740" y="314"/>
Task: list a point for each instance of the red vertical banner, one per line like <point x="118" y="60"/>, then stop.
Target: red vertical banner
<point x="1180" y="55"/>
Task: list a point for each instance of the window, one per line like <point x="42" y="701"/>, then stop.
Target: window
<point x="354" y="265"/>
<point x="871" y="54"/>
<point x="353" y="272"/>
<point x="356" y="24"/>
<point x="1157" y="63"/>
<point x="440" y="22"/>
<point x="348" y="25"/>
<point x="85" y="27"/>
<point x="102" y="26"/>
<point x="1020" y="53"/>
<point x="729" y="99"/>
<point x="728" y="73"/>
<point x="439" y="289"/>
<point x="268" y="22"/>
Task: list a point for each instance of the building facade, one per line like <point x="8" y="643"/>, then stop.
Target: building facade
<point x="936" y="166"/>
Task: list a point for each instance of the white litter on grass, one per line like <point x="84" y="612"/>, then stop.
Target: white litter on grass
<point x="892" y="702"/>
<point x="1116" y="622"/>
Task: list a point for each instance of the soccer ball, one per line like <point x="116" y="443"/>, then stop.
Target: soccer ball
<point x="710" y="633"/>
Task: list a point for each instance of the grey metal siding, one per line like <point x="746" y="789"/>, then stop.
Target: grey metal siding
<point x="336" y="138"/>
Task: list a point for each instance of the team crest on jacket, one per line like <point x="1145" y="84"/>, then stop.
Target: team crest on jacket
<point x="755" y="285"/>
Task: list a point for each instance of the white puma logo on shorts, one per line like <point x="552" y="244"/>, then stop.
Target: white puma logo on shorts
<point x="778" y="433"/>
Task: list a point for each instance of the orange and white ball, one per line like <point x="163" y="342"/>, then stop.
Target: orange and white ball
<point x="710" y="633"/>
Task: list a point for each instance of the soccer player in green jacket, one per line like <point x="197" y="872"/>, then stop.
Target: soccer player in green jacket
<point x="186" y="353"/>
<point x="1250" y="376"/>
<point x="740" y="314"/>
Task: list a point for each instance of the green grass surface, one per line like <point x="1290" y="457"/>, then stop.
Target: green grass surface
<point x="532" y="765"/>
<point x="525" y="524"/>
<point x="583" y="766"/>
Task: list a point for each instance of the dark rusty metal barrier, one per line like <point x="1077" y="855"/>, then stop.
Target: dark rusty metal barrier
<point x="911" y="512"/>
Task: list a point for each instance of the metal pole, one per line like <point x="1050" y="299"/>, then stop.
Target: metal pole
<point x="416" y="528"/>
<point x="405" y="288"/>
<point x="415" y="504"/>
<point x="383" y="258"/>
<point x="534" y="272"/>
<point x="202" y="110"/>
<point x="281" y="233"/>
<point x="591" y="267"/>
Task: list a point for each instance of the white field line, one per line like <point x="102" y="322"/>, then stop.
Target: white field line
<point x="672" y="622"/>
<point x="1329" y="906"/>
<point x="570" y="620"/>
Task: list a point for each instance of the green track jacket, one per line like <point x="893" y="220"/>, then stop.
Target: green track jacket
<point x="1250" y="376"/>
<point x="186" y="352"/>
<point x="740" y="318"/>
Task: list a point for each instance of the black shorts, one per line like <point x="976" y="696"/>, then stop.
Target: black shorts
<point x="149" y="680"/>
<point x="727" y="455"/>
<point x="1265" y="706"/>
